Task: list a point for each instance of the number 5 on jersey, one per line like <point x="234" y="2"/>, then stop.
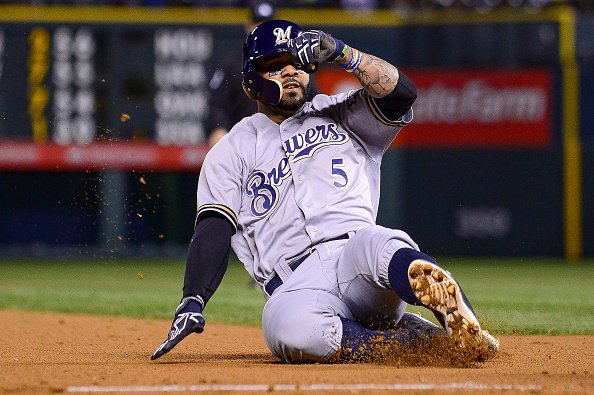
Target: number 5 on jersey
<point x="338" y="172"/>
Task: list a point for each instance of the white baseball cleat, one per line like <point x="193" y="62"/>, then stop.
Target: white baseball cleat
<point x="490" y="344"/>
<point x="437" y="290"/>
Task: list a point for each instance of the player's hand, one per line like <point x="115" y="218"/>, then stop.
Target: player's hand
<point x="188" y="319"/>
<point x="314" y="47"/>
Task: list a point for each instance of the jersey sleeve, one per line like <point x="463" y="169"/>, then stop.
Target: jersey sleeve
<point x="360" y="115"/>
<point x="219" y="185"/>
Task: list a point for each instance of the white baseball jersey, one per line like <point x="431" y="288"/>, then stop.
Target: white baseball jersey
<point x="290" y="186"/>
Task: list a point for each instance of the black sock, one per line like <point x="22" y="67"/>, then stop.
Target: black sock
<point x="398" y="273"/>
<point x="360" y="344"/>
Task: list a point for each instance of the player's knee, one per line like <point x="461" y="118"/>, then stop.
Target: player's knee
<point x="300" y="334"/>
<point x="295" y="342"/>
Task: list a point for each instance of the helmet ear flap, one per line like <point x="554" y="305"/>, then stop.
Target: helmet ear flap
<point x="259" y="88"/>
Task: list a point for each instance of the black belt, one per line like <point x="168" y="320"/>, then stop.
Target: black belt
<point x="276" y="281"/>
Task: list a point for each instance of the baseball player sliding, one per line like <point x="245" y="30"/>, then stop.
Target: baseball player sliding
<point x="294" y="190"/>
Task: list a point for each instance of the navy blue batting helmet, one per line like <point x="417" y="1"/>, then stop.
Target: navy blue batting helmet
<point x="268" y="38"/>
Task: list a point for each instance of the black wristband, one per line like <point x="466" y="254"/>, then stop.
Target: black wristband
<point x="338" y="51"/>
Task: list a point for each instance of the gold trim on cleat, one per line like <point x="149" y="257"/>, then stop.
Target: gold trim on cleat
<point x="437" y="290"/>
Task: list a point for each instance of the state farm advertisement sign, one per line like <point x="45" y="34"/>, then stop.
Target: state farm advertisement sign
<point x="471" y="108"/>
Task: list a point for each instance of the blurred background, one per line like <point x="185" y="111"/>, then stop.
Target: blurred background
<point x="107" y="109"/>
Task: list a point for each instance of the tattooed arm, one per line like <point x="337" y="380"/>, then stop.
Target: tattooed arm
<point x="393" y="92"/>
<point x="378" y="77"/>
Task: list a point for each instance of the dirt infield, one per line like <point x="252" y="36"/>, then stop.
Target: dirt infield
<point x="62" y="353"/>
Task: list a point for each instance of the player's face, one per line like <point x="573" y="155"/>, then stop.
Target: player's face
<point x="295" y="82"/>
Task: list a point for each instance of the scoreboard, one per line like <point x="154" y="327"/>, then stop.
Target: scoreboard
<point x="106" y="76"/>
<point x="66" y="84"/>
<point x="60" y="85"/>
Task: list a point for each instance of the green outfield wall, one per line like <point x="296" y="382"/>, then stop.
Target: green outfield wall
<point x="102" y="125"/>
